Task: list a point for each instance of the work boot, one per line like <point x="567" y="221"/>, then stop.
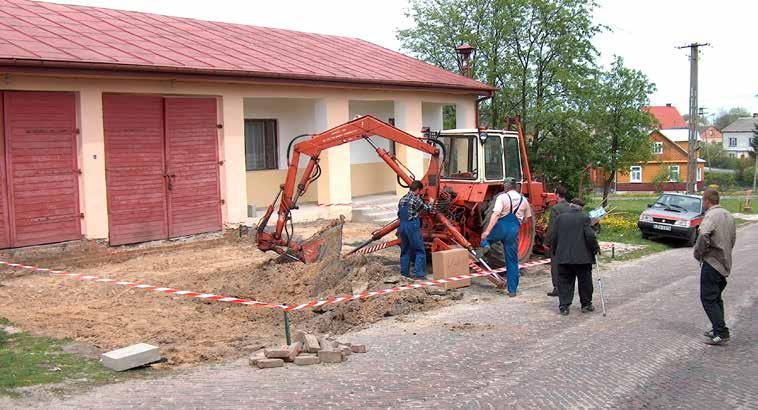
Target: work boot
<point x="512" y="294"/>
<point x="588" y="308"/>
<point x="709" y="334"/>
<point x="564" y="310"/>
<point x="717" y="341"/>
<point x="553" y="292"/>
<point x="481" y="251"/>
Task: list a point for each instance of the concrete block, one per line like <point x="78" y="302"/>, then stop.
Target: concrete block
<point x="131" y="357"/>
<point x="331" y="356"/>
<point x="358" y="348"/>
<point x="269" y="363"/>
<point x="307" y="360"/>
<point x="346" y="350"/>
<point x="311" y="344"/>
<point x="452" y="262"/>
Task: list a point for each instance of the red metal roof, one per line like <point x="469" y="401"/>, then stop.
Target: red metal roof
<point x="667" y="116"/>
<point x="65" y="35"/>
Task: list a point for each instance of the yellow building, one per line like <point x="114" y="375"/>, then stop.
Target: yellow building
<point x="665" y="171"/>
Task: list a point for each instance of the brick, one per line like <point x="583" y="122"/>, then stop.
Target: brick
<point x="331" y="356"/>
<point x="307" y="360"/>
<point x="358" y="348"/>
<point x="131" y="357"/>
<point x="311" y="344"/>
<point x="269" y="363"/>
<point x="452" y="262"/>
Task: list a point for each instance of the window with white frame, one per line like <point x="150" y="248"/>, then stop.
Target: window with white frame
<point x="699" y="174"/>
<point x="635" y="174"/>
<point x="732" y="141"/>
<point x="657" y="147"/>
<point x="732" y="155"/>
<point x="673" y="173"/>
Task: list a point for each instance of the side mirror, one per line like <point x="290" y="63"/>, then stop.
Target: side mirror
<point x="649" y="205"/>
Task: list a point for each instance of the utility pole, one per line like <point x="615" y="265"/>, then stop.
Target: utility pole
<point x="692" y="149"/>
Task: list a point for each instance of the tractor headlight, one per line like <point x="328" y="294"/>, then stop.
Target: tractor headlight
<point x="646" y="218"/>
<point x="682" y="223"/>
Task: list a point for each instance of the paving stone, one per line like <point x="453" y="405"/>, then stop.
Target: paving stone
<point x="131" y="357"/>
<point x="331" y="356"/>
<point x="269" y="363"/>
<point x="307" y="360"/>
<point x="294" y="350"/>
<point x="255" y="358"/>
<point x="358" y="348"/>
<point x="280" y="352"/>
<point x="311" y="344"/>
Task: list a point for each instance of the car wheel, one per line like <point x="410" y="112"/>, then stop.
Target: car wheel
<point x="692" y="238"/>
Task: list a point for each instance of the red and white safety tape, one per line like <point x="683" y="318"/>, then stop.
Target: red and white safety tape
<point x="144" y="286"/>
<point x="254" y="303"/>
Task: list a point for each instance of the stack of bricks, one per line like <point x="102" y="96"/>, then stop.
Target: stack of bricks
<point x="306" y="350"/>
<point x="449" y="263"/>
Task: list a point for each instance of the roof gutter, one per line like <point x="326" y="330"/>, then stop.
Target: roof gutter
<point x="188" y="73"/>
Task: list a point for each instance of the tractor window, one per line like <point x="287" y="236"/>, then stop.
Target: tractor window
<point x="460" y="160"/>
<point x="493" y="158"/>
<point x="512" y="155"/>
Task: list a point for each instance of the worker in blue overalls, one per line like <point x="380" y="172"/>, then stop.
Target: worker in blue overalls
<point x="511" y="208"/>
<point x="411" y="242"/>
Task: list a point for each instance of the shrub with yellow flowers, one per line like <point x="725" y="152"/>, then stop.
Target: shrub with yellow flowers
<point x="620" y="221"/>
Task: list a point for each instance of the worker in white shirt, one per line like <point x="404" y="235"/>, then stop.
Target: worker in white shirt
<point x="510" y="211"/>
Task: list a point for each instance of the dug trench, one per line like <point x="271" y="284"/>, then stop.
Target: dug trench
<point x="188" y="330"/>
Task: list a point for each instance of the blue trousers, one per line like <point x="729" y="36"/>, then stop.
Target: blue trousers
<point x="506" y="231"/>
<point x="412" y="246"/>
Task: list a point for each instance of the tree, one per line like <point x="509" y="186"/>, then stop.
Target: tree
<point x="754" y="154"/>
<point x="621" y="128"/>
<point x="538" y="53"/>
<point x="727" y="117"/>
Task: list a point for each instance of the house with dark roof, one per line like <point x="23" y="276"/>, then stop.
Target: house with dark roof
<point x="133" y="126"/>
<point x="737" y="136"/>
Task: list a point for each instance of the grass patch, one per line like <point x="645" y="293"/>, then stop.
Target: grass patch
<point x="28" y="360"/>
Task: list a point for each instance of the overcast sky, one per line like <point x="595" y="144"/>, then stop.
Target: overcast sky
<point x="645" y="32"/>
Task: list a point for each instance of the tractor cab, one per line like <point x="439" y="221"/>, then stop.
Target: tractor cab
<point x="481" y="156"/>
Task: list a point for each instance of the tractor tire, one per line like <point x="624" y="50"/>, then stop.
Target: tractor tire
<point x="496" y="256"/>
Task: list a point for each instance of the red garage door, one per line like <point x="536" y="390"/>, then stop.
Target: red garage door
<point x="40" y="176"/>
<point x="161" y="167"/>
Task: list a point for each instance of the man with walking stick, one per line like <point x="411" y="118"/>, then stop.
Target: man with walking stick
<point x="574" y="245"/>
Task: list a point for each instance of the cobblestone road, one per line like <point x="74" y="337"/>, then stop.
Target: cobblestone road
<point x="496" y="352"/>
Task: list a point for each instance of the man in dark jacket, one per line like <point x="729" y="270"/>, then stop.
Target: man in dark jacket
<point x="560" y="207"/>
<point x="574" y="245"/>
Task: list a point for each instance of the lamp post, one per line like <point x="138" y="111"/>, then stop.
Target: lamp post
<point x="464" y="52"/>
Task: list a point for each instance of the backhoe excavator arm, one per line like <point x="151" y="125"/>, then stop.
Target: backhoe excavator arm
<point x="363" y="127"/>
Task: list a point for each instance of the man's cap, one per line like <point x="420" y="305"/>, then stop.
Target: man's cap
<point x="510" y="181"/>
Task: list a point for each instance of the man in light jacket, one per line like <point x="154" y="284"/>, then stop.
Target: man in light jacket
<point x="713" y="249"/>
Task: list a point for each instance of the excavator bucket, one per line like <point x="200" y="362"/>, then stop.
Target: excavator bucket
<point x="327" y="241"/>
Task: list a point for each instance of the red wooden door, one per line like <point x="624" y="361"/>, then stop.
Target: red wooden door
<point x="42" y="169"/>
<point x="134" y="168"/>
<point x="194" y="199"/>
<point x="5" y="234"/>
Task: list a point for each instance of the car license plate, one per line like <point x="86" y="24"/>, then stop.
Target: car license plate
<point x="662" y="227"/>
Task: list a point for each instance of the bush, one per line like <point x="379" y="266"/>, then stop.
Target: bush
<point x="724" y="181"/>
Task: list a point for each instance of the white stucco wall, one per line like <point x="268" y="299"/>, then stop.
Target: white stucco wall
<point x="360" y="151"/>
<point x="295" y="116"/>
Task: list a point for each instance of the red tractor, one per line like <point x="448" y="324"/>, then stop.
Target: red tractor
<point x="466" y="171"/>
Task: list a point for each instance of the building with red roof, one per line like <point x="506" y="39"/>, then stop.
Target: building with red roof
<point x="135" y="126"/>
